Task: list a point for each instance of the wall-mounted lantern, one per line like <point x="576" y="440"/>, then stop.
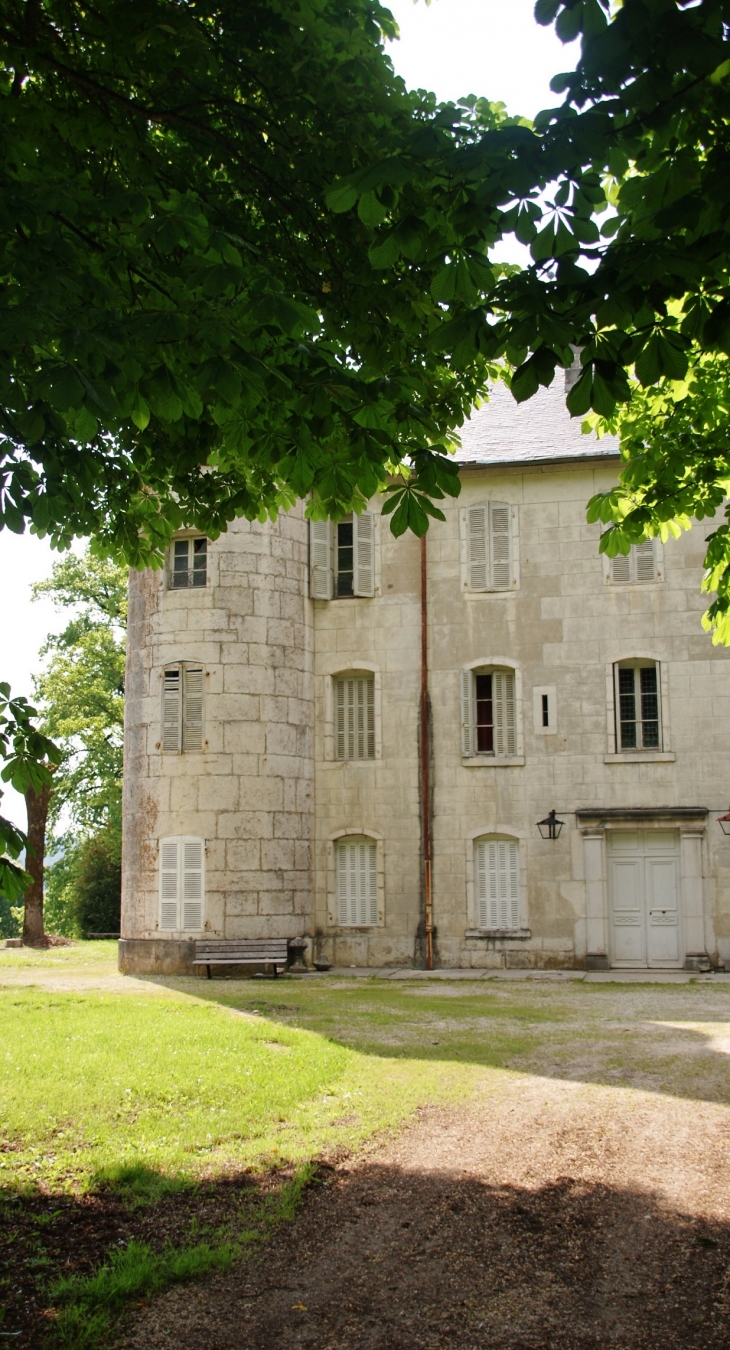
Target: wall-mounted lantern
<point x="724" y="823"/>
<point x="550" y="827"/>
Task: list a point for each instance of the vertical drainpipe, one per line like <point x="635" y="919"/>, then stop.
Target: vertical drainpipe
<point x="425" y="763"/>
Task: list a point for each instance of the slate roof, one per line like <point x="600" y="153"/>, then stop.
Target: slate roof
<point x="538" y="431"/>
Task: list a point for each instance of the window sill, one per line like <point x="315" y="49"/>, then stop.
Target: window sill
<point x="502" y="933"/>
<point x="493" y="761"/>
<point x="641" y="757"/>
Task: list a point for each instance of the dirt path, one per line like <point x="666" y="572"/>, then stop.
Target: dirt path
<point x="546" y="1214"/>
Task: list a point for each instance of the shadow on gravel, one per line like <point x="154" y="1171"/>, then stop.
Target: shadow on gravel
<point x="383" y="1260"/>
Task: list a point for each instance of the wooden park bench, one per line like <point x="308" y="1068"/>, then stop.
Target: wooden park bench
<point x="241" y="952"/>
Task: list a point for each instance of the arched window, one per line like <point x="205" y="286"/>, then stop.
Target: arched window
<point x="182" y="707"/>
<point x="497" y="883"/>
<point x="356" y="877"/>
<point x="488" y="712"/>
<point x="637" y="703"/>
<point x="182" y="883"/>
<point x="354" y="715"/>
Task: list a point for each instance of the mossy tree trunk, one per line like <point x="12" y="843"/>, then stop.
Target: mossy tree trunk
<point x="37" y="804"/>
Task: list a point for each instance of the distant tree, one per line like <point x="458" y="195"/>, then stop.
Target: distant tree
<point x="28" y="757"/>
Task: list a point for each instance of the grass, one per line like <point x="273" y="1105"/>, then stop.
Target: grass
<point x="178" y="1083"/>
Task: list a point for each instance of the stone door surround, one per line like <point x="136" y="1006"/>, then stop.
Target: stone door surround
<point x="690" y="821"/>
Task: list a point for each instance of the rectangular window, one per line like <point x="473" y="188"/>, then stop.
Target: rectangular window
<point x="639" y="564"/>
<point x="182" y="889"/>
<point x="638" y="719"/>
<point x="182" y="708"/>
<point x="354" y="717"/>
<point x="488" y="714"/>
<point x="497" y="878"/>
<point x="189" y="563"/>
<point x="342" y="557"/>
<point x="489" y="547"/>
<point x="357" y="883"/>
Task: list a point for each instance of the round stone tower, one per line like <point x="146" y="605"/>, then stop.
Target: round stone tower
<point x="218" y="810"/>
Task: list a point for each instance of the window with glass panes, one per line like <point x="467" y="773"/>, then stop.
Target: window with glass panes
<point x="638" y="710"/>
<point x="189" y="563"/>
<point x="485" y="715"/>
<point x="344" y="558"/>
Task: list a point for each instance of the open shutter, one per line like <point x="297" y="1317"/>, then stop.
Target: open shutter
<point x="476" y="525"/>
<point x="320" y="553"/>
<point x="363" y="554"/>
<point x="192" y="884"/>
<point x="514" y="885"/>
<point x="480" y="869"/>
<point x="621" y="567"/>
<point x="171" y="710"/>
<point x="192" y="736"/>
<point x="503" y="695"/>
<point x="340" y="743"/>
<point x="500" y="545"/>
<point x="467" y="711"/>
<point x="644" y="557"/>
<point x="169" y="882"/>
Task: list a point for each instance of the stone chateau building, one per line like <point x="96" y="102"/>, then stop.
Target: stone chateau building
<point x="275" y="778"/>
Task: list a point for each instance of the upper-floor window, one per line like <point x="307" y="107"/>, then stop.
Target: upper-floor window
<point x="497" y="883"/>
<point x="189" y="563"/>
<point x="639" y="564"/>
<point x="182" y="707"/>
<point x="356" y="866"/>
<point x="638" y="705"/>
<point x="342" y="557"/>
<point x="182" y="888"/>
<point x="354" y="716"/>
<point x="488" y="713"/>
<point x="489" y="549"/>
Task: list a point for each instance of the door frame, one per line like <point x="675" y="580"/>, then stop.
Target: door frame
<point x="641" y="858"/>
<point x="690" y="821"/>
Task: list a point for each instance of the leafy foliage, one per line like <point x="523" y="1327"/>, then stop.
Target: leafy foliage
<point x="26" y="752"/>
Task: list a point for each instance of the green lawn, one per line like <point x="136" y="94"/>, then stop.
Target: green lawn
<point x="146" y="1089"/>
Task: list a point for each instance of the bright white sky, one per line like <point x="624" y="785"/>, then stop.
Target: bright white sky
<point x="453" y="47"/>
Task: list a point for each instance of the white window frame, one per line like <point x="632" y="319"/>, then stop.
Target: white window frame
<point x="496" y="833"/>
<point x="614" y="753"/>
<point x="188" y="538"/>
<point x="323" y="561"/>
<point x="346" y="672"/>
<point x="467" y="676"/>
<point x="630" y="564"/>
<point x="354" y="834"/>
<point x="186" y="891"/>
<point x="354" y="717"/>
<point x="185" y="740"/>
<point x="468" y="563"/>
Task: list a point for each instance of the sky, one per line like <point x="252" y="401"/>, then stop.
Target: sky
<point x="492" y="48"/>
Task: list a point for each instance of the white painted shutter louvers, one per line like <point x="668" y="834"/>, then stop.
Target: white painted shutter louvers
<point x="489" y="546"/>
<point x="644" y="555"/>
<point x="500" y="545"/>
<point x="363" y="554"/>
<point x="320" y="559"/>
<point x="357" y="883"/>
<point x="171" y="709"/>
<point x="476" y="518"/>
<point x="503" y="702"/>
<point x="636" y="565"/>
<point x="181" y="883"/>
<point x="467" y="719"/>
<point x="192" y="709"/>
<point x="496" y="874"/>
<point x="355" y="717"/>
<point x="192" y="884"/>
<point x="169" y="883"/>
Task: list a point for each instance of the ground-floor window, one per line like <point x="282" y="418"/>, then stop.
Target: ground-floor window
<point x="182" y="887"/>
<point x="497" y="883"/>
<point x="356" y="865"/>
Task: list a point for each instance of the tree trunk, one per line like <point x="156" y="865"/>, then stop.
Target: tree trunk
<point x="37" y="807"/>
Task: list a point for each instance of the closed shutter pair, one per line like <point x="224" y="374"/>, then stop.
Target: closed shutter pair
<point x="636" y="565"/>
<point x="181" y="883"/>
<point x="321" y="562"/>
<point x="355" y="717"/>
<point x="503" y="705"/>
<point x="357" y="883"/>
<point x="182" y="708"/>
<point x="489" y="546"/>
<point x="496" y="864"/>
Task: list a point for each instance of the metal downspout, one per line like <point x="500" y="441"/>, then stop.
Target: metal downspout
<point x="425" y="763"/>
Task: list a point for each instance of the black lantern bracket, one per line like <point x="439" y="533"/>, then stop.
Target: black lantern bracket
<point x="724" y="822"/>
<point x="550" y="827"/>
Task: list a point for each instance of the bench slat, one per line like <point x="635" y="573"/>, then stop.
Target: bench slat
<point x="242" y="952"/>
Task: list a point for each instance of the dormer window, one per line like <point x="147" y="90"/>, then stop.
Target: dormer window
<point x="189" y="563"/>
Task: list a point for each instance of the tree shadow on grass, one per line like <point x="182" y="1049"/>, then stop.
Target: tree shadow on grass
<point x="384" y="1259"/>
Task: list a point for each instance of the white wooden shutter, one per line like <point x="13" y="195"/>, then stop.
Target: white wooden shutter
<point x="192" y="884"/>
<point x="171" y="709"/>
<point x="496" y="868"/>
<point x="621" y="567"/>
<point x="477" y="548"/>
<point x="340" y="740"/>
<point x="644" y="560"/>
<point x="363" y="528"/>
<point x="467" y="713"/>
<point x="343" y="888"/>
<point x="192" y="732"/>
<point x="357" y="883"/>
<point x="355" y="717"/>
<point x="169" y="882"/>
<point x="320" y="553"/>
<point x="503" y="697"/>
<point x="500" y="545"/>
<point x="372" y="884"/>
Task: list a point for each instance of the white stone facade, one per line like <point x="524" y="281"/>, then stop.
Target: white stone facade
<point x="275" y="806"/>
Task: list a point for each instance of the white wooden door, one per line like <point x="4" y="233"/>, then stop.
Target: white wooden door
<point x="643" y="876"/>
